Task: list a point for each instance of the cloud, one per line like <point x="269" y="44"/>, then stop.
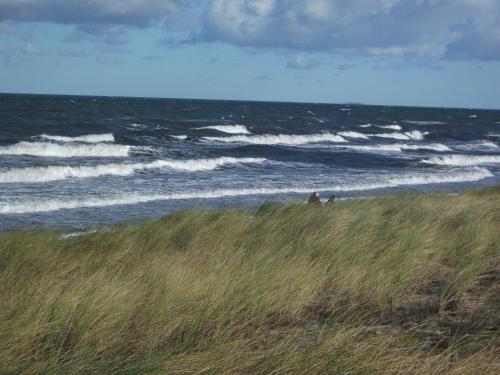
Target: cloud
<point x="422" y="29"/>
<point x="139" y="13"/>
<point x="108" y="34"/>
<point x="405" y="29"/>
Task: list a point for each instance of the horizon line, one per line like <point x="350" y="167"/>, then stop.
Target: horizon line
<point x="348" y="103"/>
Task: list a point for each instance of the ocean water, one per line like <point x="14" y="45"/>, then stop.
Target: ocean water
<point x="84" y="162"/>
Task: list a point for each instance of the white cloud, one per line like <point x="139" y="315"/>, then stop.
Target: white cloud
<point x="422" y="29"/>
<point x="429" y="29"/>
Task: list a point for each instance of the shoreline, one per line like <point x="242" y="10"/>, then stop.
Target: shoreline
<point x="208" y="205"/>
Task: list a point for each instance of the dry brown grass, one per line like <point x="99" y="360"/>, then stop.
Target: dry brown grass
<point x="396" y="285"/>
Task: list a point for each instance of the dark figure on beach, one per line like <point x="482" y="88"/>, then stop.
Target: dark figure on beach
<point x="314" y="199"/>
<point x="331" y="200"/>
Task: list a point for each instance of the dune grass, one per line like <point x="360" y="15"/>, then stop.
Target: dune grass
<point x="400" y="284"/>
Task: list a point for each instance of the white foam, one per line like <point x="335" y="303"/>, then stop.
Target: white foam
<point x="414" y="135"/>
<point x="414" y="122"/>
<point x="351" y="134"/>
<point x="138" y="127"/>
<point x="230" y="129"/>
<point x="477" y="146"/>
<point x="397" y="147"/>
<point x="365" y="125"/>
<point x="65" y="150"/>
<point x="54" y="173"/>
<point x="46" y="205"/>
<point x="391" y="127"/>
<point x="180" y="137"/>
<point x="89" y="138"/>
<point x="463" y="160"/>
<point x="473" y="116"/>
<point x="269" y="139"/>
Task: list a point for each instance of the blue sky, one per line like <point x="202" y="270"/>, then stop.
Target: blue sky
<point x="398" y="52"/>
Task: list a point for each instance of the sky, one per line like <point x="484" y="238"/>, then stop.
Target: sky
<point x="441" y="53"/>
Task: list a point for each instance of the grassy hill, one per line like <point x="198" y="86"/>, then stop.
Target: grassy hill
<point x="400" y="284"/>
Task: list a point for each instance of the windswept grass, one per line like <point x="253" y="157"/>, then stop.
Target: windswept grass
<point x="402" y="284"/>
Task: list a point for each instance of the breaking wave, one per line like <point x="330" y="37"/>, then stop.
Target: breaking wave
<point x="415" y="122"/>
<point x="180" y="137"/>
<point x="391" y="127"/>
<point x="230" y="129"/>
<point x="477" y="146"/>
<point x="463" y="160"/>
<point x="65" y="150"/>
<point x="89" y="138"/>
<point x="54" y="173"/>
<point x="414" y="135"/>
<point x="285" y="139"/>
<point x="351" y="134"/>
<point x="398" y="147"/>
<point x="45" y="205"/>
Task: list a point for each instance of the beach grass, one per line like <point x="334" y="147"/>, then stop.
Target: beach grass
<point x="400" y="284"/>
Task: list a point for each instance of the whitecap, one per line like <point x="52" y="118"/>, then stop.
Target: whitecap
<point x="397" y="147"/>
<point x="49" y="149"/>
<point x="351" y="134"/>
<point x="483" y="145"/>
<point x="230" y="129"/>
<point x="391" y="127"/>
<point x="54" y="173"/>
<point x="89" y="138"/>
<point x="414" y="135"/>
<point x="285" y="139"/>
<point x="463" y="160"/>
<point x="46" y="205"/>
<point x="421" y="122"/>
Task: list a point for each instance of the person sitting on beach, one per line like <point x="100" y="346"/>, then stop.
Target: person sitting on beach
<point x="331" y="200"/>
<point x="314" y="199"/>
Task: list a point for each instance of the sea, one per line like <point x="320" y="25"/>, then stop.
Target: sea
<point x="82" y="162"/>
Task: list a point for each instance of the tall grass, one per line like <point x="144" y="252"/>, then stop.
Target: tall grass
<point x="400" y="284"/>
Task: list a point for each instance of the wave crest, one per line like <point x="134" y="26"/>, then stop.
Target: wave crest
<point x="55" y="173"/>
<point x="230" y="129"/>
<point x="414" y="135"/>
<point x="463" y="160"/>
<point x="420" y="122"/>
<point x="46" y="205"/>
<point x="398" y="147"/>
<point x="285" y="139"/>
<point x="351" y="134"/>
<point x="89" y="138"/>
<point x="391" y="127"/>
<point x="55" y="150"/>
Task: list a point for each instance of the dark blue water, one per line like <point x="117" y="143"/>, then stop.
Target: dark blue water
<point x="80" y="162"/>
